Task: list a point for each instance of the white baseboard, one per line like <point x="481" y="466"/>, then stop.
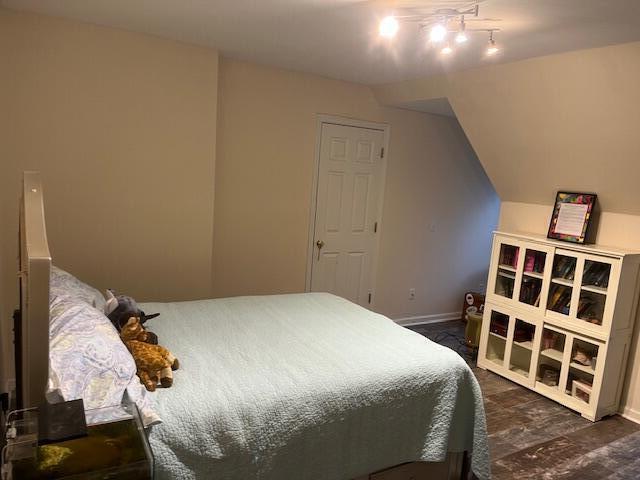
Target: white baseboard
<point x="424" y="319"/>
<point x="630" y="414"/>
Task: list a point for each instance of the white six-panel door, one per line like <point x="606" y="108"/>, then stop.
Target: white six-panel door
<point x="349" y="188"/>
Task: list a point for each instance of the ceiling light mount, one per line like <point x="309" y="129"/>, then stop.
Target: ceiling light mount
<point x="441" y="22"/>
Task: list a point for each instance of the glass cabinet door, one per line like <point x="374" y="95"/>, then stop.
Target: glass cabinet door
<point x="497" y="338"/>
<point x="532" y="292"/>
<point x="520" y="272"/>
<point x="582" y="369"/>
<point x="505" y="281"/>
<point x="562" y="283"/>
<point x="567" y="365"/>
<point x="507" y="345"/>
<point x="579" y="291"/>
<point x="520" y="354"/>
<point x="593" y="291"/>
<point x="550" y="359"/>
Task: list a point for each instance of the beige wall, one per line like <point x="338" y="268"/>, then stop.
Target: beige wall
<point x="614" y="229"/>
<point x="434" y="181"/>
<point x="127" y="130"/>
<point x="566" y="121"/>
<point x="123" y="128"/>
<point x="264" y="171"/>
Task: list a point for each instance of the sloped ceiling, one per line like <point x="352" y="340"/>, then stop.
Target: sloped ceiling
<point x="569" y="121"/>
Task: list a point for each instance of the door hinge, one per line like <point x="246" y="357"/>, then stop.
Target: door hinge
<point x="382" y="152"/>
<point x="369" y="297"/>
<point x="375" y="227"/>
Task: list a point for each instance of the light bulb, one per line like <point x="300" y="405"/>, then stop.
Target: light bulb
<point x="447" y="50"/>
<point x="389" y="27"/>
<point x="492" y="49"/>
<point x="461" y="37"/>
<point x="437" y="33"/>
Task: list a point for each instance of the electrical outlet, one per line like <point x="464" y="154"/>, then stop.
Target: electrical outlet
<point x="412" y="294"/>
<point x="11" y="385"/>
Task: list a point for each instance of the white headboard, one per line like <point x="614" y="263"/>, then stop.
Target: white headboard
<point x="32" y="352"/>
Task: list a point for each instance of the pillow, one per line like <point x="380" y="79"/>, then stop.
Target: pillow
<point x="88" y="360"/>
<point x="64" y="284"/>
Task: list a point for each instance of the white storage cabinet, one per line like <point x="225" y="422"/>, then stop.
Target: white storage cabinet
<point x="559" y="317"/>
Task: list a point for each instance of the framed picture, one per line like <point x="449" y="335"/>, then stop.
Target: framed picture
<point x="571" y="216"/>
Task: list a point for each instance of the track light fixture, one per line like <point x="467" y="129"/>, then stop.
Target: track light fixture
<point x="461" y="36"/>
<point x="442" y="22"/>
<point x="492" y="48"/>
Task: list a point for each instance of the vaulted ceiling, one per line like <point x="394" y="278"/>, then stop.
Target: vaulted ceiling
<point x="339" y="38"/>
<point x="562" y="122"/>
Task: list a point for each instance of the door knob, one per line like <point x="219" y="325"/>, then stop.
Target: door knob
<point x="319" y="244"/>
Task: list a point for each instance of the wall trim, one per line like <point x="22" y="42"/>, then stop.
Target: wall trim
<point x="630" y="414"/>
<point x="425" y="319"/>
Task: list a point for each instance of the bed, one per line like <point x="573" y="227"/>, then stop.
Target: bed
<point x="301" y="386"/>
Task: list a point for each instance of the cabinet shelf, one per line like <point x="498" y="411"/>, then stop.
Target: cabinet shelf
<point x="528" y="344"/>
<point x="594" y="289"/>
<point x="562" y="281"/>
<point x="583" y="368"/>
<point x="495" y="335"/>
<point x="510" y="276"/>
<point x="552" y="354"/>
<point x="504" y="266"/>
<point x="519" y="371"/>
<point x="577" y="325"/>
<point x="534" y="275"/>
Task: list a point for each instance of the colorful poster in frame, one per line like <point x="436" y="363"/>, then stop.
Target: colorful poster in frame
<point x="571" y="216"/>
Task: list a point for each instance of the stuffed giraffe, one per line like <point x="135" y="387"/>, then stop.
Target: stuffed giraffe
<point x="153" y="362"/>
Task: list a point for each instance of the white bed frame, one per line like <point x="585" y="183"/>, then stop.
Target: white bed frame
<point x="32" y="353"/>
<point x="32" y="328"/>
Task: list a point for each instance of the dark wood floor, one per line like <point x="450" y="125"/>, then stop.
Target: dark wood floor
<point x="532" y="437"/>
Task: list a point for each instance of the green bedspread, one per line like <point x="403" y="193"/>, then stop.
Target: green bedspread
<point x="306" y="386"/>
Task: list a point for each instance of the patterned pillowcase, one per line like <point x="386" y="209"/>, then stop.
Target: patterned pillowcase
<point x="89" y="361"/>
<point x="64" y="284"/>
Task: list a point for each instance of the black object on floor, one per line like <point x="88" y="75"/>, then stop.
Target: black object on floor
<point x="450" y="334"/>
<point x="460" y="343"/>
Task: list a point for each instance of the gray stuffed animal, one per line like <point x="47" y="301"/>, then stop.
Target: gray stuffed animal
<point x="120" y="308"/>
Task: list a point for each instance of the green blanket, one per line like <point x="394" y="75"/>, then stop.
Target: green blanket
<point x="306" y="386"/>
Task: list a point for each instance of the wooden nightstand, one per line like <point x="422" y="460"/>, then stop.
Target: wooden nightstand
<point x="115" y="447"/>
